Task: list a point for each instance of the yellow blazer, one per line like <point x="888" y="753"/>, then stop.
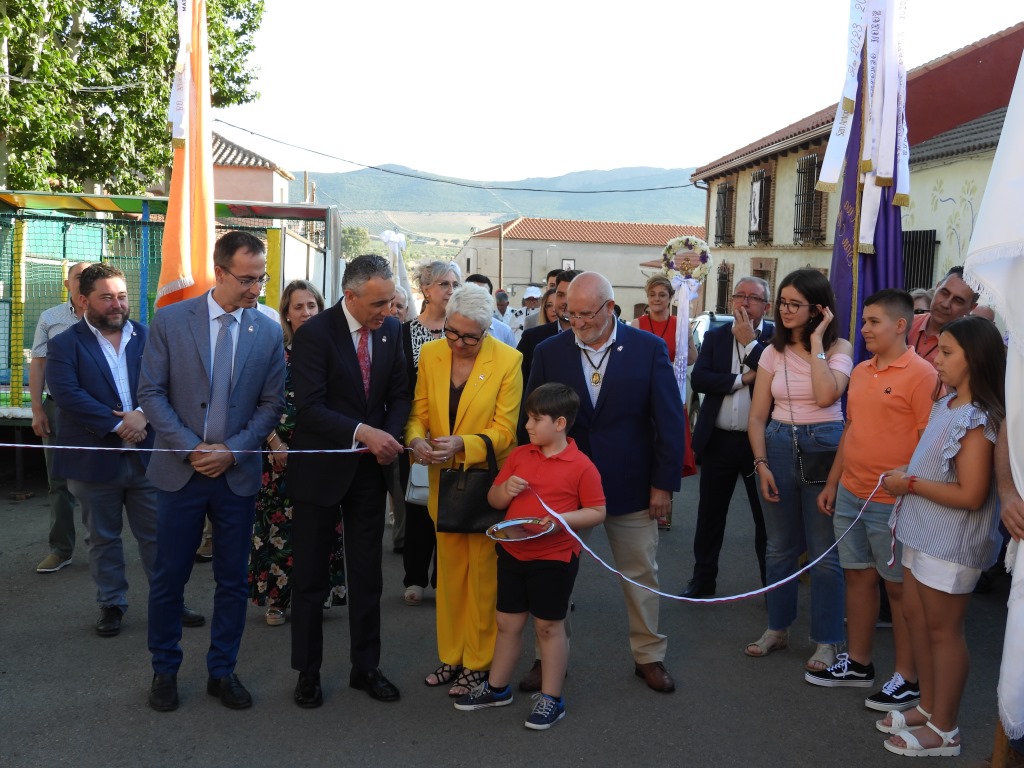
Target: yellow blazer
<point x="489" y="404"/>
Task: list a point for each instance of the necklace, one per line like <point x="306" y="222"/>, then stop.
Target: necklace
<point x="920" y="335"/>
<point x="664" y="328"/>
<point x="595" y="377"/>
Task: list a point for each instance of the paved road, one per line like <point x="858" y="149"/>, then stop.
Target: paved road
<point x="69" y="697"/>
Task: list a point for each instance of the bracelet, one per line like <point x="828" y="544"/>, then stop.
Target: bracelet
<point x="758" y="461"/>
<point x="911" y="479"/>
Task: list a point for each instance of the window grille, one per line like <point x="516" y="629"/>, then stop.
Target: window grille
<point x="809" y="214"/>
<point x="725" y="214"/>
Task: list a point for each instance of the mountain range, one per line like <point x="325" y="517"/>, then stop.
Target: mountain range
<point x="577" y="195"/>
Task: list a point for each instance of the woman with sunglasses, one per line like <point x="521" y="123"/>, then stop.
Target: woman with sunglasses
<point x="804" y="371"/>
<point x="467" y="385"/>
<point x="437" y="280"/>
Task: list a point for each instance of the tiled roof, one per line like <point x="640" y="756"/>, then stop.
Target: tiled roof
<point x="611" y="232"/>
<point x="228" y="153"/>
<point x="974" y="136"/>
<point x="820" y="123"/>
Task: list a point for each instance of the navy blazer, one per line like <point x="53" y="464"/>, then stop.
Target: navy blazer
<point x="530" y="339"/>
<point x="83" y="387"/>
<point x="713" y="377"/>
<point x="330" y="402"/>
<point x="635" y="435"/>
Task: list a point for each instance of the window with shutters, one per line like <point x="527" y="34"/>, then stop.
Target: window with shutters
<point x="760" y="229"/>
<point x="725" y="214"/>
<point x="809" y="214"/>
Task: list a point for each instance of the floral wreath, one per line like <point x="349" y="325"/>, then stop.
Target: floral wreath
<point x="686" y="257"/>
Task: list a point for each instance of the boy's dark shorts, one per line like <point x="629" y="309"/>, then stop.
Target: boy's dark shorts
<point x="539" y="587"/>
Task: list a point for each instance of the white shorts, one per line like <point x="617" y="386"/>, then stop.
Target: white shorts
<point x="951" y="578"/>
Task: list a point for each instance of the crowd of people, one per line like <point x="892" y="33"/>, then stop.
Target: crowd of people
<point x="287" y="443"/>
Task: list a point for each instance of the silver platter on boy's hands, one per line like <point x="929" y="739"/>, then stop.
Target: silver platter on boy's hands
<point x="521" y="529"/>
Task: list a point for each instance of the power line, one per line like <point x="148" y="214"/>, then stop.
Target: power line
<point x="78" y="89"/>
<point x="452" y="182"/>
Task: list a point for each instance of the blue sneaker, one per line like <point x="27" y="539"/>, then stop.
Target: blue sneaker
<point x="482" y="697"/>
<point x="546" y="712"/>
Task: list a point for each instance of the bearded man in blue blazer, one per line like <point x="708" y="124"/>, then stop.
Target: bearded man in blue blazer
<point x="208" y="462"/>
<point x="630" y="424"/>
<point x="724" y="373"/>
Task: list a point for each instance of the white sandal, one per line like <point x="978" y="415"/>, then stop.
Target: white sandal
<point x="414" y="595"/>
<point x="771" y="640"/>
<point x="824" y="654"/>
<point x="914" y="749"/>
<point x="898" y="721"/>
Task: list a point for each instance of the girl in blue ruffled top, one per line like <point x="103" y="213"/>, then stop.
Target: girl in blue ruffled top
<point x="948" y="524"/>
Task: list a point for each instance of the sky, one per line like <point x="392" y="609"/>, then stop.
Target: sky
<point x="502" y="92"/>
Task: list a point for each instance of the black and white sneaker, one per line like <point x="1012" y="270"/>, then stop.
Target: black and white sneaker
<point x="897" y="694"/>
<point x="844" y="673"/>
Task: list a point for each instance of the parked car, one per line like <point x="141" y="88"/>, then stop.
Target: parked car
<point x="699" y="326"/>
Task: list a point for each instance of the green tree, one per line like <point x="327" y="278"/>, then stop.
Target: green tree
<point x="56" y="135"/>
<point x="354" y="241"/>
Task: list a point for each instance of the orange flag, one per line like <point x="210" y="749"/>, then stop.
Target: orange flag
<point x="186" y="269"/>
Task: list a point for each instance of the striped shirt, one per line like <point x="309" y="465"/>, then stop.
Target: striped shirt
<point x="967" y="537"/>
<point x="52" y="322"/>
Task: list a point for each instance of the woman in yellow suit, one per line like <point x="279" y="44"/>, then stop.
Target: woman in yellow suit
<point x="468" y="384"/>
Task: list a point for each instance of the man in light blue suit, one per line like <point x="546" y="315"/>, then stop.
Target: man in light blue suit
<point x="208" y="459"/>
<point x="631" y="426"/>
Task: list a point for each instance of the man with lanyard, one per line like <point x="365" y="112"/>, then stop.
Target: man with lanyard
<point x="52" y="322"/>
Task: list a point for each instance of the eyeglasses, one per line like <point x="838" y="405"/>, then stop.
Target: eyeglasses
<point x="447" y="285"/>
<point x="921" y="311"/>
<point x="586" y="317"/>
<point x="790" y="306"/>
<point x="751" y="299"/>
<point x="466" y="338"/>
<point x="245" y="282"/>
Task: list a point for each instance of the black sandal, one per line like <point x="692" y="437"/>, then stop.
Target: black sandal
<point x="443" y="675"/>
<point x="468" y="680"/>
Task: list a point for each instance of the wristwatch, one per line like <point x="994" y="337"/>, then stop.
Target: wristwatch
<point x="821" y="356"/>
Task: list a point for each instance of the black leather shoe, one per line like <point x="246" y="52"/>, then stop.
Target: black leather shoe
<point x="698" y="589"/>
<point x="230" y="690"/>
<point x="190" y="618"/>
<point x="374" y="683"/>
<point x="308" y="693"/>
<point x="163" y="693"/>
<point x="109" y="624"/>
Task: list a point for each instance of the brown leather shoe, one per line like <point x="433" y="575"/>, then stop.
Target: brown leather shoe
<point x="531" y="680"/>
<point x="656" y="676"/>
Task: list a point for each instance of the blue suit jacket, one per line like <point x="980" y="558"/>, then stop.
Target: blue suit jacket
<point x="635" y="435"/>
<point x="174" y="390"/>
<point x="82" y="385"/>
<point x="713" y="377"/>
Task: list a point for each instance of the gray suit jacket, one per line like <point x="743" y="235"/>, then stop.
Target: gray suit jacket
<point x="174" y="389"/>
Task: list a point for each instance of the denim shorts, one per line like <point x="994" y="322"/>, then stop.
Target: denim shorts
<point x="870" y="543"/>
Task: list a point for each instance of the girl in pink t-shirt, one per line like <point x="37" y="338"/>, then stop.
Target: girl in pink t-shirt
<point x="804" y="372"/>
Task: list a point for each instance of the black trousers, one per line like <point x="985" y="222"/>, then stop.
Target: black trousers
<point x="313" y="536"/>
<point x="420" y="539"/>
<point x="726" y="456"/>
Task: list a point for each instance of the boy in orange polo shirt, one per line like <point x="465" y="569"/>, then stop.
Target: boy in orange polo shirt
<point x="537" y="575"/>
<point x="890" y="399"/>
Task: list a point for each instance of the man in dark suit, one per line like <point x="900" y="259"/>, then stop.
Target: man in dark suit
<point x="93" y="372"/>
<point x="212" y="385"/>
<point x="724" y="373"/>
<point x="534" y="336"/>
<point x="630" y="424"/>
<point x="351" y="391"/>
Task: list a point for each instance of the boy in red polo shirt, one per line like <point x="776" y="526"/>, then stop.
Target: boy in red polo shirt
<point x="536" y="576"/>
<point x="890" y="399"/>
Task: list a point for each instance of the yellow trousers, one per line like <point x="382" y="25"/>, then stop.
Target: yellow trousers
<point x="467" y="592"/>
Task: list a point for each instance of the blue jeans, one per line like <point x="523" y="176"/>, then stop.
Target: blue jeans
<point x="794" y="525"/>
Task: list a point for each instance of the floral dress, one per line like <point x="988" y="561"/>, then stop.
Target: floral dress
<point x="270" y="560"/>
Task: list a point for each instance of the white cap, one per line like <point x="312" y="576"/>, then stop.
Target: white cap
<point x="532" y="292"/>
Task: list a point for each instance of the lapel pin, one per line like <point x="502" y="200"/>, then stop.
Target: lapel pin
<point x="481" y="377"/>
<point x="250" y="329"/>
<point x="618" y="348"/>
<point x="383" y="339"/>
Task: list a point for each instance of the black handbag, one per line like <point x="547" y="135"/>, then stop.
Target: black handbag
<point x="462" y="497"/>
<point x="813" y="467"/>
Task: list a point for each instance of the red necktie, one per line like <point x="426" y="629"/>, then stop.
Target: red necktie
<point x="363" y="353"/>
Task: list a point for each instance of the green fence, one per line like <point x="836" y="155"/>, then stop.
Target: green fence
<point x="35" y="254"/>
